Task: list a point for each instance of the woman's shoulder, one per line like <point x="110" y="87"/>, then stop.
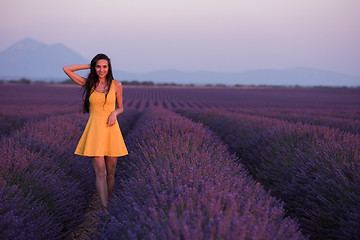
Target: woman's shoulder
<point x="117" y="86"/>
<point x="116" y="83"/>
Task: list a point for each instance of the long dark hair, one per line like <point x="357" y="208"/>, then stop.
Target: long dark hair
<point x="93" y="80"/>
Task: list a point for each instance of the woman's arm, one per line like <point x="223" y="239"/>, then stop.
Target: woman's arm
<point x="119" y="110"/>
<point x="70" y="71"/>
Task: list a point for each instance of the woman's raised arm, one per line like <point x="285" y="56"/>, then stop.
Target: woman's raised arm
<point x="70" y="71"/>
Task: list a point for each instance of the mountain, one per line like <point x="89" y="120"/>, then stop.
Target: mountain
<point x="37" y="61"/>
<point x="31" y="59"/>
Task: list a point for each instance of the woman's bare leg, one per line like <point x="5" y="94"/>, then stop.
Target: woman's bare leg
<point x="101" y="183"/>
<point x="110" y="177"/>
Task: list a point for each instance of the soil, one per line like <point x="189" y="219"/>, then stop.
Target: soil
<point x="84" y="230"/>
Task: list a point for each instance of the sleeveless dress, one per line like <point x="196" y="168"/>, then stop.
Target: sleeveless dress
<point x="98" y="139"/>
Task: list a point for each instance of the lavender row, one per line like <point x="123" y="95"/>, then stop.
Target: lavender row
<point x="344" y="119"/>
<point x="14" y="117"/>
<point x="44" y="188"/>
<point x="22" y="103"/>
<point x="315" y="170"/>
<point x="331" y="99"/>
<point x="182" y="183"/>
<point x="48" y="200"/>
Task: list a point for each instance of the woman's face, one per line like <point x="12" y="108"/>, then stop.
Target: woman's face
<point x="102" y="68"/>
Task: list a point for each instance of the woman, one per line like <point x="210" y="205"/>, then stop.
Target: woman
<point x="102" y="139"/>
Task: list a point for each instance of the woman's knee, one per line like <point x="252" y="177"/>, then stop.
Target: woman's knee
<point x="99" y="167"/>
<point x="110" y="177"/>
<point x="111" y="166"/>
<point x="100" y="172"/>
<point x="110" y="173"/>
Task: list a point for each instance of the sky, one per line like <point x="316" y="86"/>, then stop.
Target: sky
<point x="194" y="35"/>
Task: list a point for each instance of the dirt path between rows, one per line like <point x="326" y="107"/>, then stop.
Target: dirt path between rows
<point x="88" y="226"/>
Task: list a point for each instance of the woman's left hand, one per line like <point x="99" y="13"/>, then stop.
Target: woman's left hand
<point x="111" y="120"/>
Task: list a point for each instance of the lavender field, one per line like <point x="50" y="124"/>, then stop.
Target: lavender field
<point x="203" y="163"/>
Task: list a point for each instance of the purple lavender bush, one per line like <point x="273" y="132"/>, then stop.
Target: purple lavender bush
<point x="182" y="183"/>
<point x="17" y="221"/>
<point x="23" y="103"/>
<point x="36" y="199"/>
<point x="127" y="120"/>
<point x="56" y="138"/>
<point x="314" y="170"/>
<point x="9" y="123"/>
<point x="14" y="117"/>
<point x="344" y="119"/>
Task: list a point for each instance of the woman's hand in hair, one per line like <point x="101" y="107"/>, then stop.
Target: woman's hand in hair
<point x="71" y="69"/>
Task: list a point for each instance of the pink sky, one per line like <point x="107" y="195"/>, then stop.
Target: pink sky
<point x="211" y="35"/>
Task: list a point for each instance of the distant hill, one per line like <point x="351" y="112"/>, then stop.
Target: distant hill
<point x="31" y="59"/>
<point x="37" y="61"/>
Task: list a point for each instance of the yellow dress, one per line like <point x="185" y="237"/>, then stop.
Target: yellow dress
<point x="98" y="139"/>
